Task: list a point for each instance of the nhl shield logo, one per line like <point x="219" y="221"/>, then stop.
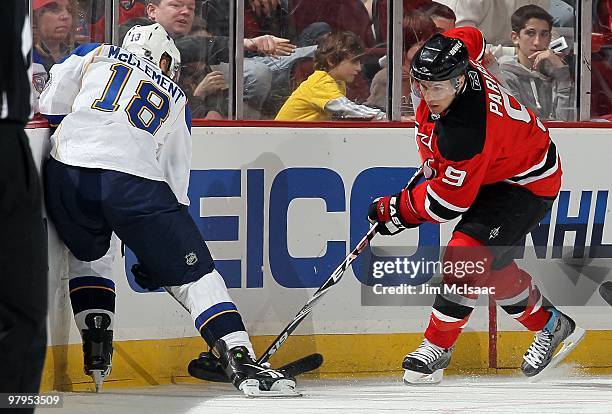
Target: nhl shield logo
<point x="494" y="233"/>
<point x="191" y="259"/>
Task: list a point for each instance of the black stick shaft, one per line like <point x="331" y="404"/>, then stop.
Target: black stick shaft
<point x="331" y="281"/>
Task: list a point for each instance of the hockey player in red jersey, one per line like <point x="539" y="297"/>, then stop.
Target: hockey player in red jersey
<point x="489" y="160"/>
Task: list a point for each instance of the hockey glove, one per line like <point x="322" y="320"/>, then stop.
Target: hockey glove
<point x="386" y="212"/>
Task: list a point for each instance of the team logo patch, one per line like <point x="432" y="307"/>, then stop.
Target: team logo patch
<point x="48" y="82"/>
<point x="191" y="259"/>
<point x="425" y="139"/>
<point x="39" y="81"/>
<point x="474" y="81"/>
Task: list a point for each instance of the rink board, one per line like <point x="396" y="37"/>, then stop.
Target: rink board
<point x="280" y="208"/>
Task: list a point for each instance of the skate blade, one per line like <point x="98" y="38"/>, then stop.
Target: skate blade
<point x="418" y="378"/>
<point x="567" y="346"/>
<point x="98" y="378"/>
<point x="282" y="388"/>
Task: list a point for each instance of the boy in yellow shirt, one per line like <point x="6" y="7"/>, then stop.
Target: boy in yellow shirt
<point x="323" y="95"/>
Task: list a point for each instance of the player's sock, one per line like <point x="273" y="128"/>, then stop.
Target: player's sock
<point x="449" y="315"/>
<point x="91" y="294"/>
<point x="95" y="324"/>
<point x="239" y="338"/>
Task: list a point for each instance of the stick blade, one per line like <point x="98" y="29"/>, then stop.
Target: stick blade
<point x="208" y="368"/>
<point x="302" y="365"/>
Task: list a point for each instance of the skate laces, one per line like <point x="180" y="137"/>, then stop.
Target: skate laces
<point x="427" y="352"/>
<point x="539" y="348"/>
<point x="266" y="371"/>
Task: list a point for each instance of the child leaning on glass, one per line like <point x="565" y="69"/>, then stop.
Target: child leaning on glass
<point x="322" y="96"/>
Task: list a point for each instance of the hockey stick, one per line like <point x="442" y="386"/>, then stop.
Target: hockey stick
<point x="331" y="281"/>
<point x="206" y="367"/>
<point x="605" y="290"/>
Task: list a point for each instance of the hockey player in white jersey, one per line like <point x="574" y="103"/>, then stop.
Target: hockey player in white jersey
<point x="120" y="162"/>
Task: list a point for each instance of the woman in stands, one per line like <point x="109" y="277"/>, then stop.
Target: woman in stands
<point x="54" y="27"/>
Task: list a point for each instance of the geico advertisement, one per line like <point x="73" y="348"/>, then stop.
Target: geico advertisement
<point x="261" y="219"/>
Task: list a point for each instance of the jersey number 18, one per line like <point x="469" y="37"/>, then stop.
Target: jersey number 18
<point x="147" y="109"/>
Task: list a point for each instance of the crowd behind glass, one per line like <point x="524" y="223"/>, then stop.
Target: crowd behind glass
<point x="299" y="54"/>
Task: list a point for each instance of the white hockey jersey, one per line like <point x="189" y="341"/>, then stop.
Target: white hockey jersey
<point x="118" y="112"/>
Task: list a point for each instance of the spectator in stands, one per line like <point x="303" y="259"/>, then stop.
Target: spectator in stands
<point x="443" y="16"/>
<point x="53" y="34"/>
<point x="260" y="17"/>
<point x="379" y="15"/>
<point x="54" y="24"/>
<point x="418" y="27"/>
<point x="562" y="12"/>
<point x="128" y="9"/>
<point x="197" y="45"/>
<point x="536" y="76"/>
<point x="601" y="75"/>
<point x="492" y="17"/>
<point x="205" y="87"/>
<point x="322" y="96"/>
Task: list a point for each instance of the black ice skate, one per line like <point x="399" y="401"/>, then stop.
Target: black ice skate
<point x="249" y="377"/>
<point x="541" y="354"/>
<point x="97" y="347"/>
<point x="426" y="364"/>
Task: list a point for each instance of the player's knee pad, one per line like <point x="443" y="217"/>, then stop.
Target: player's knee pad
<point x="88" y="253"/>
<point x="203" y="294"/>
<point x="150" y="279"/>
<point x="101" y="267"/>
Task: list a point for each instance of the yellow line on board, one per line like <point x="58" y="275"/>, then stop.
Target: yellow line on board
<point x="151" y="362"/>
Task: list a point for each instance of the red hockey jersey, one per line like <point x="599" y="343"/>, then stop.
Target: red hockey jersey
<point x="486" y="136"/>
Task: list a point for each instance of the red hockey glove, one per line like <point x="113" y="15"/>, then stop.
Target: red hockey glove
<point x="386" y="212"/>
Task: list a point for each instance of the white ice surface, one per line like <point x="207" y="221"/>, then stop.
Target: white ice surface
<point x="501" y="394"/>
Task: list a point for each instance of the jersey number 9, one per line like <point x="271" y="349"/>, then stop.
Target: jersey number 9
<point x="147" y="109"/>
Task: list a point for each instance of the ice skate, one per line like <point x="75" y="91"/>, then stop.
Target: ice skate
<point x="251" y="378"/>
<point x="97" y="348"/>
<point x="426" y="364"/>
<point x="541" y="356"/>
